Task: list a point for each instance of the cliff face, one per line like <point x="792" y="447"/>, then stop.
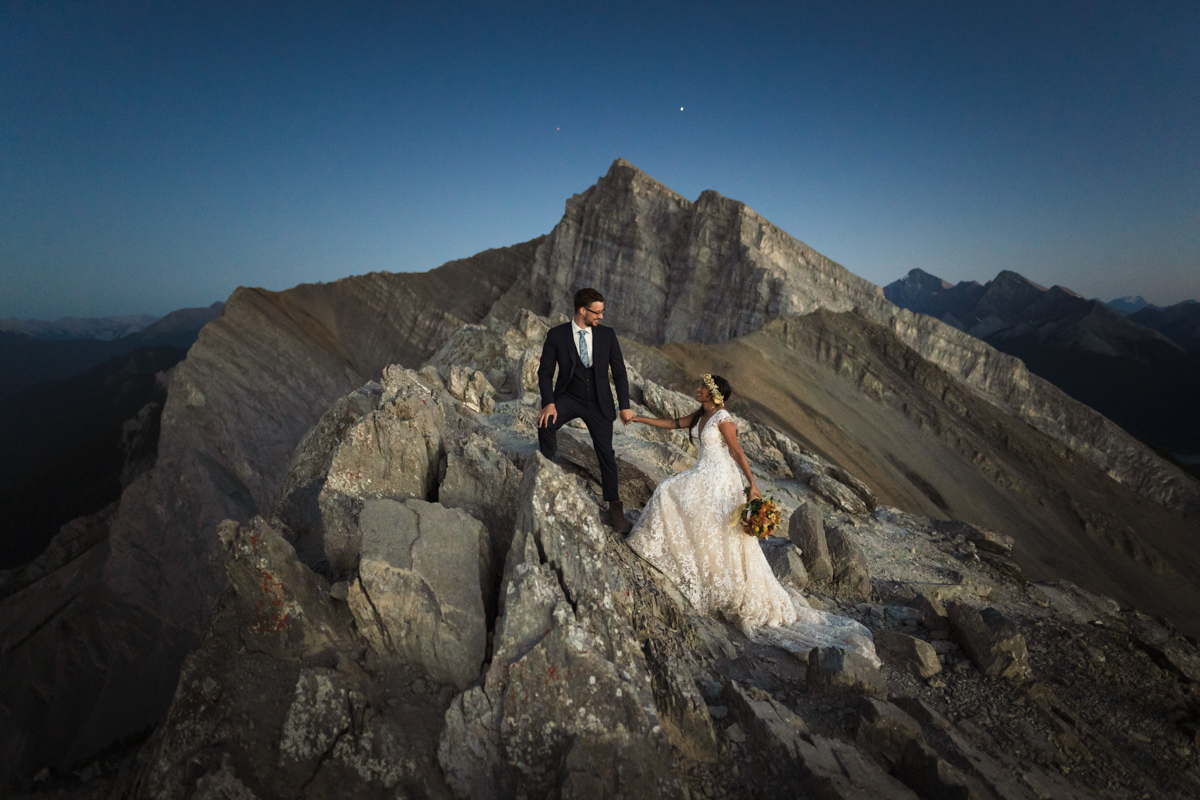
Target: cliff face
<point x="672" y="270"/>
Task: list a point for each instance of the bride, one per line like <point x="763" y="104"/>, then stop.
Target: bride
<point x="685" y="533"/>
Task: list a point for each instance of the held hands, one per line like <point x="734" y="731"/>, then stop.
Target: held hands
<point x="548" y="416"/>
<point x="627" y="416"/>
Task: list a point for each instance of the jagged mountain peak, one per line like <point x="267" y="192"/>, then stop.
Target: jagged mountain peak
<point x="675" y="270"/>
<point x="623" y="176"/>
<point x="923" y="278"/>
<point x="1129" y="304"/>
<point x="1008" y="277"/>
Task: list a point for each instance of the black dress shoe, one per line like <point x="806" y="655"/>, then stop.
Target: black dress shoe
<point x="616" y="518"/>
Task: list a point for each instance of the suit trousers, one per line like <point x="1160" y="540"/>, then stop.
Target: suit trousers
<point x="599" y="426"/>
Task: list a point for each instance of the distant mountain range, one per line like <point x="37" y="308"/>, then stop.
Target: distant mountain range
<point x="70" y="407"/>
<point x="33" y="351"/>
<point x="102" y="328"/>
<point x="1128" y="305"/>
<point x="1180" y="323"/>
<point x="1141" y="370"/>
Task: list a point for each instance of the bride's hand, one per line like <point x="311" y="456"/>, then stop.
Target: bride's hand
<point x="755" y="493"/>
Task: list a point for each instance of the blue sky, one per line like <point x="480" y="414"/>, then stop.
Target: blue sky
<point x="156" y="155"/>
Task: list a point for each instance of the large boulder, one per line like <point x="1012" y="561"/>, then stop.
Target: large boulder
<point x="419" y="592"/>
<point x="394" y="452"/>
<point x="785" y="560"/>
<point x="568" y="694"/>
<point x="806" y="529"/>
<point x="482" y="481"/>
<point x="832" y="670"/>
<point x="851" y="575"/>
<point x="281" y="699"/>
<point x="298" y="510"/>
<point x="286" y="606"/>
<point x="907" y="653"/>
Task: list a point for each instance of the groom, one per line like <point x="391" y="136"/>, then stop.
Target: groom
<point x="583" y="351"/>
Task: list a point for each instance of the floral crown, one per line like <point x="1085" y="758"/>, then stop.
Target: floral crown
<point x="713" y="391"/>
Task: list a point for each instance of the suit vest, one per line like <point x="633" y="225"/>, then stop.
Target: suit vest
<point x="582" y="385"/>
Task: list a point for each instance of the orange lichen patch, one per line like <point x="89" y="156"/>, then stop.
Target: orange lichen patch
<point x="268" y="622"/>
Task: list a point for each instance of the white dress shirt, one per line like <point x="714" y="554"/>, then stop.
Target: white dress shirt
<point x="587" y="335"/>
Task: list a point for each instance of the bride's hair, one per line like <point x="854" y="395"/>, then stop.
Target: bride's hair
<point x="726" y="392"/>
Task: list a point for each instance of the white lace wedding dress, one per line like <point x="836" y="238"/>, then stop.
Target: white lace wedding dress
<point x="684" y="532"/>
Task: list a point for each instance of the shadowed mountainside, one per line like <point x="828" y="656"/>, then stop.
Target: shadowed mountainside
<point x="25" y="360"/>
<point x="1129" y="371"/>
<point x="1180" y="322"/>
<point x="62" y="454"/>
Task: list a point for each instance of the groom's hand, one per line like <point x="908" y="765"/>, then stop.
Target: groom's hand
<point x="626" y="416"/>
<point x="548" y="416"/>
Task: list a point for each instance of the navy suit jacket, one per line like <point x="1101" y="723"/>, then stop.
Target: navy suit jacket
<point x="560" y="351"/>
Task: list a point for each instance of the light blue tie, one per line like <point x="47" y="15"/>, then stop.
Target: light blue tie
<point x="583" y="351"/>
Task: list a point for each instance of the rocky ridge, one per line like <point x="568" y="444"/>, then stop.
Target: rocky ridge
<point x="541" y="657"/>
<point x="127" y="611"/>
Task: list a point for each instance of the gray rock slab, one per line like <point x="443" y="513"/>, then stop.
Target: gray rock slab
<point x="285" y="608"/>
<point x="832" y="670"/>
<point x="771" y="725"/>
<point x="785" y="560"/>
<point x="838" y="494"/>
<point x="921" y="711"/>
<point x="569" y="675"/>
<point x="990" y="541"/>
<point x="884" y="729"/>
<point x="923" y="770"/>
<point x="395" y="452"/>
<point x="1181" y="656"/>
<point x="851" y="573"/>
<point x="482" y="481"/>
<point x="993" y="642"/>
<point x="806" y="529"/>
<point x="419" y="593"/>
<point x="837" y="770"/>
<point x="907" y="653"/>
<point x="855" y="485"/>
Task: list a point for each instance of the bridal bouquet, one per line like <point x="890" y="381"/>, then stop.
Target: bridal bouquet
<point x="757" y="517"/>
